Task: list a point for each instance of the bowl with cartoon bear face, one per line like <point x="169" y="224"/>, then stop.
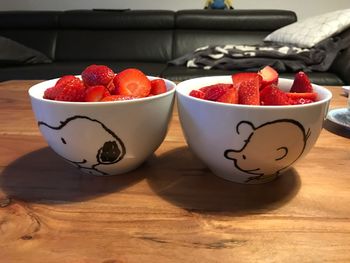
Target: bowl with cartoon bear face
<point x="103" y="138"/>
<point x="249" y="144"/>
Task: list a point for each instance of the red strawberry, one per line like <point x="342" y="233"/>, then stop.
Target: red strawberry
<point x="206" y="88"/>
<point x="158" y="86"/>
<point x="238" y="78"/>
<point x="248" y="91"/>
<point x="307" y="95"/>
<point x="301" y="83"/>
<point x="197" y="94"/>
<point x="66" y="79"/>
<point x="132" y="82"/>
<point x="213" y="92"/>
<point x="272" y="95"/>
<point x="96" y="93"/>
<point x="67" y="88"/>
<point x="51" y="93"/>
<point x="118" y="98"/>
<point x="72" y="91"/>
<point x="269" y="76"/>
<point x="94" y="75"/>
<point x="230" y="96"/>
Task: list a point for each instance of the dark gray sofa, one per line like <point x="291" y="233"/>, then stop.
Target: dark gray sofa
<point x="145" y="39"/>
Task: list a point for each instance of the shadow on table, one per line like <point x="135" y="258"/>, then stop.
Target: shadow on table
<point x="42" y="176"/>
<point x="184" y="180"/>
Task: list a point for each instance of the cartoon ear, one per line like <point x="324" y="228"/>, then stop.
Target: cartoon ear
<point x="109" y="153"/>
<point x="244" y="125"/>
<point x="282" y="153"/>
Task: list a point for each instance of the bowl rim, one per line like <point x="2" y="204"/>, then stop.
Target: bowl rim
<point x="32" y="91"/>
<point x="179" y="91"/>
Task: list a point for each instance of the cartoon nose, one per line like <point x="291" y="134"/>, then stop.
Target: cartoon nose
<point x="229" y="154"/>
<point x="109" y="152"/>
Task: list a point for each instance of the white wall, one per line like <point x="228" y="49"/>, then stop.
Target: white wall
<point x="303" y="8"/>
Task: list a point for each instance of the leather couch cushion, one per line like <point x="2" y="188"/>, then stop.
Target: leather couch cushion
<point x="266" y="20"/>
<point x="132" y="45"/>
<point x="113" y="19"/>
<point x="34" y="29"/>
<point x="14" y="53"/>
<point x="112" y="35"/>
<point x="29" y="19"/>
<point x="41" y="40"/>
<point x="197" y="28"/>
<point x="187" y="41"/>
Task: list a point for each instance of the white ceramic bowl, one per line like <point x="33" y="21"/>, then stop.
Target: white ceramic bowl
<point x="103" y="138"/>
<point x="249" y="144"/>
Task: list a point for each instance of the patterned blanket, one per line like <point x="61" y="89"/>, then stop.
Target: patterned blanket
<point x="252" y="57"/>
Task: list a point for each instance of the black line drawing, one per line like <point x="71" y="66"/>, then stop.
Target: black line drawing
<point x="282" y="141"/>
<point x="110" y="150"/>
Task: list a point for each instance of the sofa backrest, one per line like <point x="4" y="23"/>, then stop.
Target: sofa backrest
<point x="35" y="29"/>
<point x="197" y="28"/>
<point x="87" y="35"/>
<point x="135" y="35"/>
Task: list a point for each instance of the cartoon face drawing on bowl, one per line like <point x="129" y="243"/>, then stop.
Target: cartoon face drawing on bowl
<point x="279" y="142"/>
<point x="70" y="137"/>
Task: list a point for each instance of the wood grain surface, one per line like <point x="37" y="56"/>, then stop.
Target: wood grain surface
<point x="172" y="208"/>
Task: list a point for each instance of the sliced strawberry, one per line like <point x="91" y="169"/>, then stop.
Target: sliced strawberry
<point x="96" y="93"/>
<point x="272" y="95"/>
<point x="230" y="96"/>
<point x="132" y="82"/>
<point x="238" y="78"/>
<point x="158" y="86"/>
<point x="94" y="75"/>
<point x="213" y="92"/>
<point x="206" y="88"/>
<point x="306" y="95"/>
<point x="301" y="83"/>
<point x="197" y="94"/>
<point x="118" y="98"/>
<point x="248" y="91"/>
<point x="269" y="76"/>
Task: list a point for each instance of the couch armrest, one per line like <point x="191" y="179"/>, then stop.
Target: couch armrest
<point x="341" y="65"/>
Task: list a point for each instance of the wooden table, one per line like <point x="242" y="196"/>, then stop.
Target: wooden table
<point x="172" y="209"/>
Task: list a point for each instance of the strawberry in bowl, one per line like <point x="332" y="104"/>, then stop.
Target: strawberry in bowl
<point x="104" y="123"/>
<point x="251" y="127"/>
<point x="98" y="83"/>
<point x="260" y="88"/>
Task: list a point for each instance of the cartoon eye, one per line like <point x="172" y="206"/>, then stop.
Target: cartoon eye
<point x="63" y="140"/>
<point x="244" y="157"/>
<point x="108" y="153"/>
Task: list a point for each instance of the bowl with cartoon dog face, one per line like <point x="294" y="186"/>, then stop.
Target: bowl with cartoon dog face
<point x="244" y="143"/>
<point x="103" y="138"/>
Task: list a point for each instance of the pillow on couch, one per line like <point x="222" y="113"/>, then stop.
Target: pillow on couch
<point x="311" y="31"/>
<point x="14" y="53"/>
